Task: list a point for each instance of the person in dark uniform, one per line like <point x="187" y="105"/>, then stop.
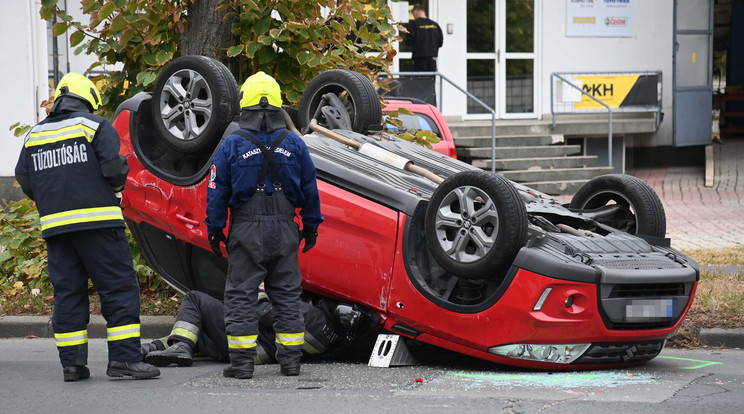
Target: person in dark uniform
<point x="425" y="38"/>
<point x="71" y="167"/>
<point x="262" y="173"/>
<point x="200" y="328"/>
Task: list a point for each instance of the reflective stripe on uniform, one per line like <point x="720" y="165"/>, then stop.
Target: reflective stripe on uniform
<point x="63" y="130"/>
<point x="71" y="338"/>
<point x="83" y="215"/>
<point x="312" y="345"/>
<point x="262" y="357"/>
<point x="118" y="333"/>
<point x="185" y="330"/>
<point x="241" y="342"/>
<point x="290" y="339"/>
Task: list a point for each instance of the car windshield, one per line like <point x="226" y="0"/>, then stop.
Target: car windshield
<point x="417" y="121"/>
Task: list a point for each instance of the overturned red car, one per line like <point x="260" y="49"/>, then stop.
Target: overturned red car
<point x="438" y="251"/>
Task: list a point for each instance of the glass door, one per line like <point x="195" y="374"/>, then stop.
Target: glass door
<point x="501" y="57"/>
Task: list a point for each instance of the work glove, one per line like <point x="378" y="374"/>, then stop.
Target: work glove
<point x="214" y="242"/>
<point x="310" y="234"/>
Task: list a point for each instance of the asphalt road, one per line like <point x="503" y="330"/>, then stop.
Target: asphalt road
<point x="678" y="381"/>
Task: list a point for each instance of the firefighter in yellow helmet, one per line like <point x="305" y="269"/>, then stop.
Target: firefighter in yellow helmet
<point x="261" y="173"/>
<point x="71" y="167"/>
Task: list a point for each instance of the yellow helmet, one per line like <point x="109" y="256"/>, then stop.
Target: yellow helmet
<point x="258" y="86"/>
<point x="79" y="86"/>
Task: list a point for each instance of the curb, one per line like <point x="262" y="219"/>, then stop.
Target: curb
<point x="41" y="326"/>
<point x="727" y="338"/>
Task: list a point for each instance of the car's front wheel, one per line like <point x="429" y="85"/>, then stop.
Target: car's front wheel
<point x="475" y="224"/>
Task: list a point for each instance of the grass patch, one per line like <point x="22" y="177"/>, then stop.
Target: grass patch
<point x="719" y="303"/>
<point x="163" y="301"/>
<point x="724" y="256"/>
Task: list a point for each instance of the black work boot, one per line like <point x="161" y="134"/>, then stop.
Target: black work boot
<point x="137" y="370"/>
<point x="291" y="369"/>
<point x="146" y="348"/>
<point x="179" y="353"/>
<point x="244" y="371"/>
<point x="76" y="373"/>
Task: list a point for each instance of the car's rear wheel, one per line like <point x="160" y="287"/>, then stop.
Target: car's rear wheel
<point x="641" y="211"/>
<point x="194" y="100"/>
<point x="475" y="224"/>
<point x="356" y="92"/>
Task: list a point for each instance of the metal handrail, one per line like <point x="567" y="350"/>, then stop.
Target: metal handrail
<point x="609" y="111"/>
<point x="469" y="95"/>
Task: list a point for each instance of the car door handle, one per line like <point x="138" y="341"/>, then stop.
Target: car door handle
<point x="187" y="220"/>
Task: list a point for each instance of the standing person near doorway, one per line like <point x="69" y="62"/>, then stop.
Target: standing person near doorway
<point x="71" y="167"/>
<point x="425" y="38"/>
<point x="262" y="172"/>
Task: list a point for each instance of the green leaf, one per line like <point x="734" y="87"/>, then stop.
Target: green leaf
<point x="46" y="14"/>
<point x="4" y="255"/>
<point x="235" y="50"/>
<point x="59" y="28"/>
<point x="163" y="57"/>
<point x="48" y="3"/>
<point x="89" y="5"/>
<point x="77" y="37"/>
<point x="262" y="26"/>
<point x="119" y="23"/>
<point x="120" y="3"/>
<point x="252" y="48"/>
<point x="266" y="55"/>
<point x="304" y="57"/>
<point x="106" y="11"/>
<point x="146" y="78"/>
<point x="126" y="37"/>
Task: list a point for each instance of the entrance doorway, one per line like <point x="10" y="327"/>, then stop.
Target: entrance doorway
<point x="501" y="57"/>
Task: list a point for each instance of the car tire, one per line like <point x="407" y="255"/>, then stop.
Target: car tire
<point x="643" y="213"/>
<point x="356" y="92"/>
<point x="195" y="99"/>
<point x="483" y="248"/>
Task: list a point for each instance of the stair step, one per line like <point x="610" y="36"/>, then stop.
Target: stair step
<point x="535" y="163"/>
<point x="508" y="140"/>
<point x="556" y="174"/>
<point x="520" y="152"/>
<point x="555" y="188"/>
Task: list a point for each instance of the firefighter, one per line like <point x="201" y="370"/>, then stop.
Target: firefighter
<point x="71" y="167"/>
<point x="261" y="173"/>
<point x="200" y="328"/>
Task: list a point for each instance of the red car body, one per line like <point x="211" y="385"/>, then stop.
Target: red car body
<point x="548" y="311"/>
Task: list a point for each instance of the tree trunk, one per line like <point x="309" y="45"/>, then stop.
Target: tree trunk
<point x="207" y="33"/>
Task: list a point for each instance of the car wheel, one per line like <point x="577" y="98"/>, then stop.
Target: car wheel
<point x="475" y="224"/>
<point x="355" y="92"/>
<point x="194" y="100"/>
<point x="641" y="209"/>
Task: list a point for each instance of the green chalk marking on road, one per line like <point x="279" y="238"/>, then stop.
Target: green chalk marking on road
<point x="525" y="378"/>
<point x="702" y="365"/>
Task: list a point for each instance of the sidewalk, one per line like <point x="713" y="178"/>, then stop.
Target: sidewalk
<point x="700" y="217"/>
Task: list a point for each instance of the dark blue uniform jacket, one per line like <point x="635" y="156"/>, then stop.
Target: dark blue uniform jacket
<point x="236" y="168"/>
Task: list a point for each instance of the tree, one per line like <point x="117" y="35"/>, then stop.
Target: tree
<point x="291" y="39"/>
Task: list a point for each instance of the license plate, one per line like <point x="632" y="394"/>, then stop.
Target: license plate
<point x="650" y="309"/>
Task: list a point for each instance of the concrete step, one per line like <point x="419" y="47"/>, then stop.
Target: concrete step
<point x="555" y="188"/>
<point x="556" y="174"/>
<point x="520" y="152"/>
<point x="508" y="140"/>
<point x="580" y="125"/>
<point x="537" y="163"/>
